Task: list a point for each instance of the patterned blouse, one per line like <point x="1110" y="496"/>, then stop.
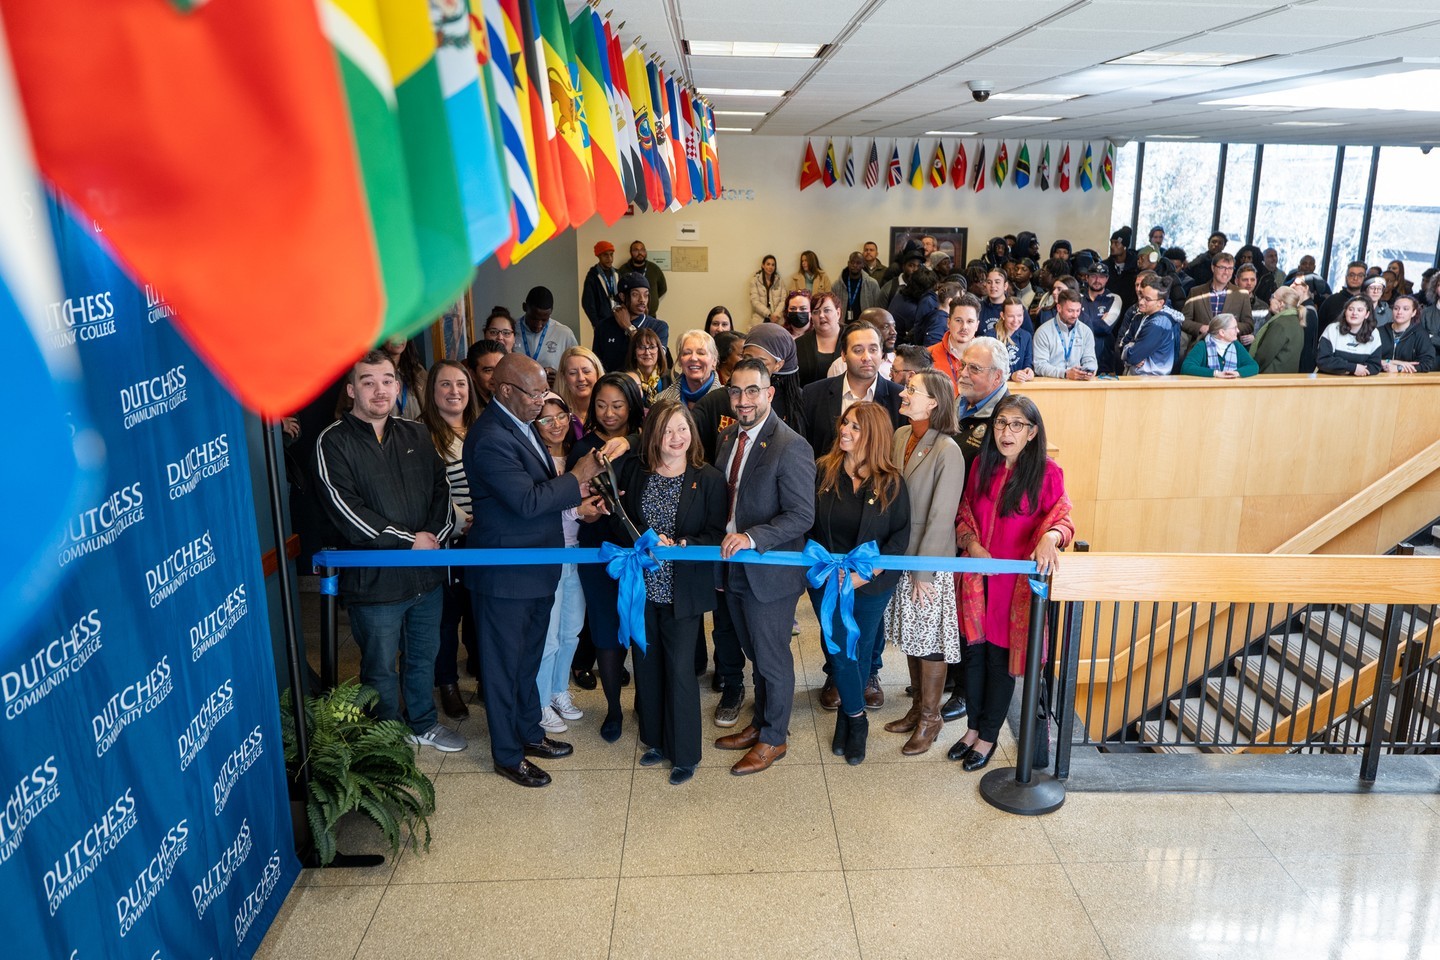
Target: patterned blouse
<point x="658" y="505"/>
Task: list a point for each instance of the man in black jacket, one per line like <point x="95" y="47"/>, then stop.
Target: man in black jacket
<point x="824" y="401"/>
<point x="384" y="487"/>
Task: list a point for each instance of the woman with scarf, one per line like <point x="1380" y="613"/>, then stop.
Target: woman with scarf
<point x="1014" y="508"/>
<point x="694" y="375"/>
<point x="645" y="361"/>
<point x="1219" y="353"/>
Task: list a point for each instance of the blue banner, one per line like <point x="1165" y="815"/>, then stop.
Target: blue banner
<point x="142" y="788"/>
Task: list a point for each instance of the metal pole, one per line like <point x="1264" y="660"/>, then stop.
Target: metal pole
<point x="329" y="633"/>
<point x="1069" y="669"/>
<point x="1254" y="194"/>
<point x="1334" y="213"/>
<point x="294" y="657"/>
<point x="1135" y="200"/>
<point x="1022" y="790"/>
<point x="1219" y="189"/>
<point x="1369" y="203"/>
<point x="1375" y="736"/>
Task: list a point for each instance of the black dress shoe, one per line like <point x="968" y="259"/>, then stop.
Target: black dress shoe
<point x="975" y="760"/>
<point x="679" y="775"/>
<point x="584" y="679"/>
<point x="610" y="727"/>
<point x="624" y="677"/>
<point x="954" y="708"/>
<point x="549" y="749"/>
<point x="958" y="751"/>
<point x="526" y="775"/>
<point x="452" y="703"/>
<point x="651" y="757"/>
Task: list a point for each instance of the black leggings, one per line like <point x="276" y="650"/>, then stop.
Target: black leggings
<point x="988" y="687"/>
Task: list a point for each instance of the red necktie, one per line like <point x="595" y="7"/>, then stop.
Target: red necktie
<point x="734" y="480"/>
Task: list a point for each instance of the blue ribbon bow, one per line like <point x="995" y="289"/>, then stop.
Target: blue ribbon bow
<point x="627" y="565"/>
<point x="833" y="572"/>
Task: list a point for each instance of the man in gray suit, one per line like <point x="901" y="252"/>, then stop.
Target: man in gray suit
<point x="770" y="479"/>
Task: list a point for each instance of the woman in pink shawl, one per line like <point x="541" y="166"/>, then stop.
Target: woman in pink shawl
<point x="1014" y="508"/>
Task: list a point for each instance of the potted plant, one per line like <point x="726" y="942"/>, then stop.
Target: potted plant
<point x="358" y="763"/>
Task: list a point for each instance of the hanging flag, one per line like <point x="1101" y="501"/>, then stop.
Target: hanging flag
<point x="657" y="190"/>
<point x="611" y="201"/>
<point x="980" y="172"/>
<point x="560" y="79"/>
<point x="483" y="192"/>
<point x="708" y="163"/>
<point x="938" y="167"/>
<point x="1002" y="164"/>
<point x="957" y="169"/>
<point x="850" y="163"/>
<point x="1107" y="167"/>
<point x="896" y="174"/>
<point x="827" y="170"/>
<point x="691" y="129"/>
<point x="1022" y="165"/>
<point x="683" y="193"/>
<point x="1045" y="167"/>
<point x="511" y="113"/>
<point x="529" y="74"/>
<point x="917" y="172"/>
<point x="872" y="167"/>
<point x="809" y="167"/>
<point x="624" y="111"/>
<point x="712" y="141"/>
<point x="660" y="127"/>
<point x="1086" y="165"/>
<point x="1065" y="170"/>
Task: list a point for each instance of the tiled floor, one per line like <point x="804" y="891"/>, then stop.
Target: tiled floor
<point x="898" y="857"/>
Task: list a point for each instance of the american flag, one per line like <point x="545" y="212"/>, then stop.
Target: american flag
<point x="897" y="173"/>
<point x="872" y="167"/>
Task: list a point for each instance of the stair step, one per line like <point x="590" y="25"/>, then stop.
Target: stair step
<point x="1153" y="731"/>
<point x="1319" y="667"/>
<point x="1202" y="722"/>
<point x="1237" y="701"/>
<point x="1339" y="630"/>
<point x="1276" y="682"/>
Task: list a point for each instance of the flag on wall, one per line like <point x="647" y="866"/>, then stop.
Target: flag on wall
<point x="611" y="201"/>
<point x="896" y="175"/>
<point x="1086" y="165"/>
<point x="809" y="167"/>
<point x="938" y="167"/>
<point x="559" y="81"/>
<point x="1002" y="164"/>
<point x="850" y="164"/>
<point x="710" y="151"/>
<point x="980" y="171"/>
<point x="1022" y="166"/>
<point x="624" y="112"/>
<point x="957" y="169"/>
<point x="917" y="172"/>
<point x="657" y="179"/>
<point x="530" y="71"/>
<point x="1107" y="166"/>
<point x="691" y="129"/>
<point x="683" y="193"/>
<point x="872" y="167"/>
<point x="660" y="131"/>
<point x="1065" y="170"/>
<point x="1045" y="167"/>
<point x="827" y="171"/>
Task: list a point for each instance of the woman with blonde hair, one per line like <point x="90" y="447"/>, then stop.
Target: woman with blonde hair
<point x="580" y="369"/>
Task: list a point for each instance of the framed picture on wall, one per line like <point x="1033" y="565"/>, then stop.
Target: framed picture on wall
<point x="952" y="240"/>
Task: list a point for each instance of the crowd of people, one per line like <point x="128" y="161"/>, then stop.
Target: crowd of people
<point x="872" y="408"/>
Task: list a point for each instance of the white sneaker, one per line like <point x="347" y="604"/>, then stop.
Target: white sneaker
<point x="563" y="705"/>
<point x="550" y="720"/>
<point x="440" y="737"/>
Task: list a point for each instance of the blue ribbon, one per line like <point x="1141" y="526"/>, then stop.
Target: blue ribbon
<point x="833" y="572"/>
<point x="330" y="586"/>
<point x="627" y="565"/>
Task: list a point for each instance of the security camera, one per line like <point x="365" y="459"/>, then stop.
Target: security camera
<point x="980" y="90"/>
<point x="1427" y="148"/>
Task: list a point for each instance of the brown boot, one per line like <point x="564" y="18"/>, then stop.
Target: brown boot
<point x="912" y="716"/>
<point x="932" y="688"/>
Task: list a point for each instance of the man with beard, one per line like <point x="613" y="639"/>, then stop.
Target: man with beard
<point x="639" y="262"/>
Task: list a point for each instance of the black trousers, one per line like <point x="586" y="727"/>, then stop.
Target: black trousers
<point x="729" y="657"/>
<point x="988" y="687"/>
<point x="667" y="692"/>
<point x="512" y="642"/>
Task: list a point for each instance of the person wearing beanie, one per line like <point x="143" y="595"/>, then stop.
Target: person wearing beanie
<point x="997" y="253"/>
<point x="1121" y="264"/>
<point x="1027" y="247"/>
<point x="632" y="313"/>
<point x="912" y="258"/>
<point x="540" y="337"/>
<point x="597" y="295"/>
<point x="1060" y="250"/>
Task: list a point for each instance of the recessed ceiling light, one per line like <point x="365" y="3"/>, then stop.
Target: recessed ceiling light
<point x="740" y="48"/>
<point x="738" y="92"/>
<point x="739" y="113"/>
<point x="734" y="129"/>
<point x="1025" y="119"/>
<point x="1305" y="123"/>
<point x="1163" y="58"/>
<point x="1256" y="108"/>
<point x="1047" y="97"/>
<point x="1412" y="90"/>
<point x="949" y="133"/>
<point x="1172" y="136"/>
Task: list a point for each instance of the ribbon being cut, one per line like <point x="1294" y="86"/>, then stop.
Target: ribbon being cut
<point x="628" y="566"/>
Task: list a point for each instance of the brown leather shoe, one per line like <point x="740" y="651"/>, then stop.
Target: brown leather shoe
<point x="452" y="703"/>
<point x="874" y="696"/>
<point x="932" y="688"/>
<point x="761" y="757"/>
<point x="743" y="740"/>
<point x="912" y="716"/>
<point x="829" y="695"/>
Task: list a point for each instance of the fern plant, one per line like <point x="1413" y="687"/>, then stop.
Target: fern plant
<point x="358" y="763"/>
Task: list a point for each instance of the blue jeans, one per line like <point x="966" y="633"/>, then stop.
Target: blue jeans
<point x="567" y="616"/>
<point x="849" y="675"/>
<point x="410" y="631"/>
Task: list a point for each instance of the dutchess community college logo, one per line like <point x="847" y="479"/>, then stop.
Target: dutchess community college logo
<point x="133" y="903"/>
<point x="255" y="899"/>
<point x="83" y="856"/>
<point x="172" y="573"/>
<point x="153" y="397"/>
<point x="157" y="308"/>
<point x="217" y="878"/>
<point x="217" y="624"/>
<point x="203" y="460"/>
<point x="130" y="704"/>
<point x="216" y="707"/>
<point x="98" y="527"/>
<point x="84" y="318"/>
<point x="51" y="665"/>
<point x="24" y="801"/>
<point x="235" y="765"/>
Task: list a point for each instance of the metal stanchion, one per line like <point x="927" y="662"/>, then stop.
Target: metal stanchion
<point x="1021" y="789"/>
<point x="329" y="632"/>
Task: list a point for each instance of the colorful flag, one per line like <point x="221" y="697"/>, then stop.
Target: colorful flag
<point x="611" y="201"/>
<point x="529" y="70"/>
<point x="850" y="164"/>
<point x="1022" y="165"/>
<point x="657" y="190"/>
<point x="690" y="127"/>
<point x="477" y="152"/>
<point x="917" y="172"/>
<point x="1107" y="167"/>
<point x="561" y="74"/>
<point x="896" y="174"/>
<point x="1045" y="167"/>
<point x="827" y="171"/>
<point x="713" y="141"/>
<point x="938" y="167"/>
<point x="624" y="114"/>
<point x="1002" y="164"/>
<point x="1086" y="165"/>
<point x="151" y="133"/>
<point x="709" y="158"/>
<point x="809" y="167"/>
<point x="512" y="114"/>
<point x="872" y="167"/>
<point x="660" y="121"/>
<point x="980" y="172"/>
<point x="683" y="192"/>
<point x="1065" y="170"/>
<point x="957" y="169"/>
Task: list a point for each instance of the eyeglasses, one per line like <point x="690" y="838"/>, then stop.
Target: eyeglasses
<point x="1012" y="426"/>
<point x="499" y="333"/>
<point x="544" y="422"/>
<point x="1149" y="299"/>
<point x="975" y="368"/>
<point x="913" y="392"/>
<point x="749" y="393"/>
<point x="535" y="395"/>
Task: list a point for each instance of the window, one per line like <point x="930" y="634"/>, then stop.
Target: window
<point x="1235" y="200"/>
<point x="1349" y="212"/>
<point x="1122" y="203"/>
<point x="1178" y="192"/>
<point x="1405" y="215"/>
<point x="1294" y="203"/>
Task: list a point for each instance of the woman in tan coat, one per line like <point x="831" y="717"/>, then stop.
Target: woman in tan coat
<point x="810" y="277"/>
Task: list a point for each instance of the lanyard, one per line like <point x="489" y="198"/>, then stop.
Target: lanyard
<point x="1069" y="345"/>
<point x="950" y="362"/>
<point x="609" y="281"/>
<point x="525" y="339"/>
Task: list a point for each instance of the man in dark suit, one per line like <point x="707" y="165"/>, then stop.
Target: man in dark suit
<point x="823" y="402"/>
<point x="770" y="480"/>
<point x="518" y="499"/>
